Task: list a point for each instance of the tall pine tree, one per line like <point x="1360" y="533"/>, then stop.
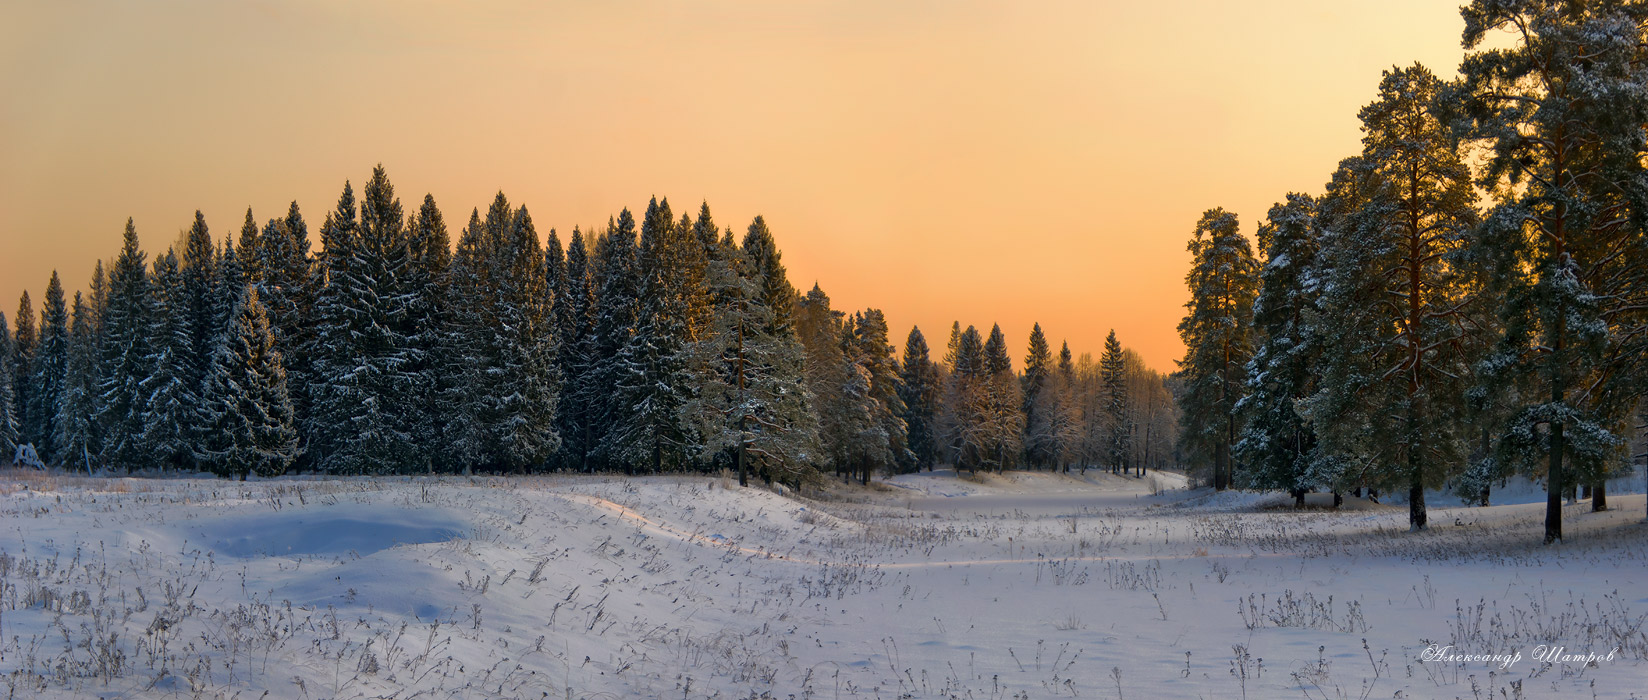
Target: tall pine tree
<point x="1561" y="114"/>
<point x="1223" y="281"/>
<point x="1397" y="305"/>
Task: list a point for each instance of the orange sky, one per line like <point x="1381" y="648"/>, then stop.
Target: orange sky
<point x="990" y="162"/>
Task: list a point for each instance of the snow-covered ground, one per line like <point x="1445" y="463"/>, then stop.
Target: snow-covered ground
<point x="1005" y="586"/>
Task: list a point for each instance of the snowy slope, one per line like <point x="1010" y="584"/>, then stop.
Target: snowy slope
<point x="1018" y="585"/>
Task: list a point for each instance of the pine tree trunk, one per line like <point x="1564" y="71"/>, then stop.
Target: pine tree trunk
<point x="1416" y="503"/>
<point x="1416" y="470"/>
<point x="1338" y="499"/>
<point x="1554" y="476"/>
<point x="1298" y="498"/>
<point x="1599" y="495"/>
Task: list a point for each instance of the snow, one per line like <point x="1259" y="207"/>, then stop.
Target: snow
<point x="925" y="586"/>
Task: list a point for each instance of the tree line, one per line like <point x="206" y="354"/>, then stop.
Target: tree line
<point x="1468" y="297"/>
<point x="664" y="344"/>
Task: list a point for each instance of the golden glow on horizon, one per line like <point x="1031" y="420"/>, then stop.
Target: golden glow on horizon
<point x="982" y="162"/>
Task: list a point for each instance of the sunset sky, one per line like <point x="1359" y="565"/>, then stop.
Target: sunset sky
<point x="985" y="162"/>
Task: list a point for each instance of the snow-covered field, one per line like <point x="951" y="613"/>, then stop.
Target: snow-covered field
<point x="1019" y="586"/>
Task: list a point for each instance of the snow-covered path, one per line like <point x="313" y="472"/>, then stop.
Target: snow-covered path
<point x="1018" y="585"/>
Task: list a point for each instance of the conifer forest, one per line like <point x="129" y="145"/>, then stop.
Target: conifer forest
<point x="355" y="449"/>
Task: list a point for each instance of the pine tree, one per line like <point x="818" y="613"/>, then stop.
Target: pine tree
<point x="245" y="399"/>
<point x="50" y="367"/>
<point x="1112" y="371"/>
<point x="8" y="396"/>
<point x="75" y="422"/>
<point x="1560" y="113"/>
<point x="1394" y="388"/>
<point x="1038" y="420"/>
<point x="1223" y="281"/>
<point x="753" y="403"/>
<point x="1277" y="444"/>
<point x="25" y="343"/>
<point x="172" y="400"/>
<point x="919" y="388"/>
<point x="123" y="357"/>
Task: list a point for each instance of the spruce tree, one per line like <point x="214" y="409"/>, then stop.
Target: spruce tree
<point x="24" y="344"/>
<point x="617" y="310"/>
<point x="50" y="367"/>
<point x="199" y="271"/>
<point x="98" y="298"/>
<point x="123" y="357"/>
<point x="1038" y="420"/>
<point x="362" y="405"/>
<point x="776" y="291"/>
<point x="1223" y="281"/>
<point x="518" y="407"/>
<point x="171" y="419"/>
<point x="919" y="388"/>
<point x="427" y="323"/>
<point x="1065" y="413"/>
<point x="1277" y="444"/>
<point x="652" y="378"/>
<point x="966" y="414"/>
<point x="1005" y="415"/>
<point x="291" y="283"/>
<point x="839" y="385"/>
<point x="875" y="356"/>
<point x="575" y="331"/>
<point x="464" y="346"/>
<point x="1112" y="372"/>
<point x="251" y="261"/>
<point x="245" y="399"/>
<point x="227" y="284"/>
<point x="8" y="396"/>
<point x="75" y="422"/>
<point x="1560" y="113"/>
